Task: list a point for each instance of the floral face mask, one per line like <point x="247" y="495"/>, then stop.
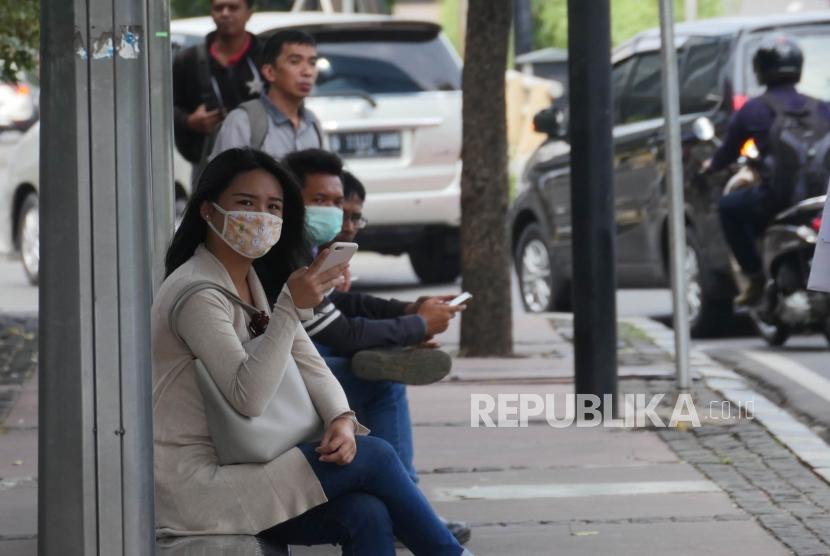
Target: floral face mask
<point x="249" y="233"/>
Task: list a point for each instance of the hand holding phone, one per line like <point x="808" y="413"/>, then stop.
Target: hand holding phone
<point x="339" y="252"/>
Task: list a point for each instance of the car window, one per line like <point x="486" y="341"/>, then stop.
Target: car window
<point x="619" y="78"/>
<point x="642" y="99"/>
<point x="386" y="65"/>
<point x="815" y="77"/>
<point x="699" y="76"/>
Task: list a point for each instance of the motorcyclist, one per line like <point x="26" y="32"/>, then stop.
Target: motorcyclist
<point x="745" y="213"/>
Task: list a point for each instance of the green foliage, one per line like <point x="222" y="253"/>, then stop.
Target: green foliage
<point x="628" y="17"/>
<point x="19" y="36"/>
<point x="550" y="19"/>
<point x="451" y="23"/>
<point x="193" y="8"/>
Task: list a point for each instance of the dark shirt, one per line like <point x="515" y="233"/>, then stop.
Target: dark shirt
<point x="230" y="87"/>
<point x="754" y="120"/>
<point x="349" y="322"/>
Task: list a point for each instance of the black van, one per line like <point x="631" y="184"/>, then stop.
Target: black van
<point x="716" y="78"/>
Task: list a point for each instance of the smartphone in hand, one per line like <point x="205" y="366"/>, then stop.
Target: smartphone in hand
<point x="459" y="299"/>
<point x="339" y="252"/>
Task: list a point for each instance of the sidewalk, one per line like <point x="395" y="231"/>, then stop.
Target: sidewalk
<point x="727" y="487"/>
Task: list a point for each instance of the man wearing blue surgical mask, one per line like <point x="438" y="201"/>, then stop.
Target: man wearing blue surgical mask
<point x="347" y="323"/>
<point x="323" y="197"/>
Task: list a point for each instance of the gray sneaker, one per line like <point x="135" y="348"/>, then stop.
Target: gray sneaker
<point x="411" y="365"/>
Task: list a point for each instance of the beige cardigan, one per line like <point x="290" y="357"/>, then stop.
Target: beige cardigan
<point x="195" y="495"/>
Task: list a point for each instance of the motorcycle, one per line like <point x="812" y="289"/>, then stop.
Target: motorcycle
<point x="787" y="307"/>
<point x="787" y="246"/>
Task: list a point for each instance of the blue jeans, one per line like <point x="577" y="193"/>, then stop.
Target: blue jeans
<point x="371" y="501"/>
<point x="744" y="214"/>
<point x="381" y="405"/>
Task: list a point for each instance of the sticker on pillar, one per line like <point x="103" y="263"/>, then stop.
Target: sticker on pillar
<point x="129" y="48"/>
<point x="103" y="47"/>
<point x="80" y="47"/>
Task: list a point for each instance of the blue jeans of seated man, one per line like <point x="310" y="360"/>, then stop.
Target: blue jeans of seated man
<point x="371" y="501"/>
<point x="744" y="214"/>
<point x="380" y="405"/>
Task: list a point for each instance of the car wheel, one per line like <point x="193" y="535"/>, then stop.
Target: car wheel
<point x="28" y="232"/>
<point x="542" y="288"/>
<point x="709" y="312"/>
<point x="435" y="266"/>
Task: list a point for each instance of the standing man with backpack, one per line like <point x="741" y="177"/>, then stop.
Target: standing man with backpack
<point x="213" y="78"/>
<point x="792" y="133"/>
<point x="277" y="122"/>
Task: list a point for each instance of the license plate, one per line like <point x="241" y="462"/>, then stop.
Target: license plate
<point x="367" y="144"/>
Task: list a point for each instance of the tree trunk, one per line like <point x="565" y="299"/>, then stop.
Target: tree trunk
<point x="486" y="325"/>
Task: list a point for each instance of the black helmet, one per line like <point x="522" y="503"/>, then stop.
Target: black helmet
<point x="778" y="60"/>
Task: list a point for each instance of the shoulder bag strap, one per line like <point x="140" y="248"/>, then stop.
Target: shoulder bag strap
<point x="173" y="316"/>
<point x="196" y="287"/>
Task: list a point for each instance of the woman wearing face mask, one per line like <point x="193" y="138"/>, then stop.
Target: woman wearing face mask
<point x="345" y="489"/>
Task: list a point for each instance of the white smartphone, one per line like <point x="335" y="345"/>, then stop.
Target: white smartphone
<point x="340" y="252"/>
<point x="459" y="299"/>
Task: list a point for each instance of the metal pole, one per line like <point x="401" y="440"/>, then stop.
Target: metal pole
<point x="161" y="130"/>
<point x="592" y="198"/>
<point x="522" y="27"/>
<point x="677" y="219"/>
<point x="96" y="459"/>
<point x="691" y="10"/>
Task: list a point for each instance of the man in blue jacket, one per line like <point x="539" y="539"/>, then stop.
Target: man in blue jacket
<point x="745" y="212"/>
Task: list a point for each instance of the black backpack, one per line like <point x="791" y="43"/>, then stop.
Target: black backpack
<point x="797" y="161"/>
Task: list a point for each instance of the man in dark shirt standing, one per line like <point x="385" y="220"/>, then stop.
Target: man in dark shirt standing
<point x="213" y="78"/>
<point x="746" y="212"/>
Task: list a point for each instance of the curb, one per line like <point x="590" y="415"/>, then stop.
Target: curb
<point x="807" y="446"/>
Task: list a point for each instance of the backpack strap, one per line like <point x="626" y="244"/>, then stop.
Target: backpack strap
<point x="316" y="124"/>
<point x="258" y="120"/>
<point x="779" y="108"/>
<point x="203" y="74"/>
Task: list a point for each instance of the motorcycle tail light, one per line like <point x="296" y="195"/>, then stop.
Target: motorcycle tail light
<point x="749" y="149"/>
<point x="738" y="101"/>
<point x="815" y="223"/>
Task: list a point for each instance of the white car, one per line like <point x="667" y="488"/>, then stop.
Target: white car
<point x="18" y="103"/>
<point x="389" y="98"/>
<point x="19" y="232"/>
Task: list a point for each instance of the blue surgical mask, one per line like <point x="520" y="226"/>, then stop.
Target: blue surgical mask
<point x="323" y="223"/>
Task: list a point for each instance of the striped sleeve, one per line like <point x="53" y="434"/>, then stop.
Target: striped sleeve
<point x="324" y="314"/>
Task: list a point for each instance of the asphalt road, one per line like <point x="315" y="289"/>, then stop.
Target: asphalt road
<point x="797" y="375"/>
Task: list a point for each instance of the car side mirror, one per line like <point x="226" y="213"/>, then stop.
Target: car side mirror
<point x="703" y="129"/>
<point x="550" y="121"/>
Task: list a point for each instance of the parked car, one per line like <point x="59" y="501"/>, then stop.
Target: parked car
<point x="19" y="102"/>
<point x="389" y="99"/>
<point x="19" y="232"/>
<point x="716" y="78"/>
